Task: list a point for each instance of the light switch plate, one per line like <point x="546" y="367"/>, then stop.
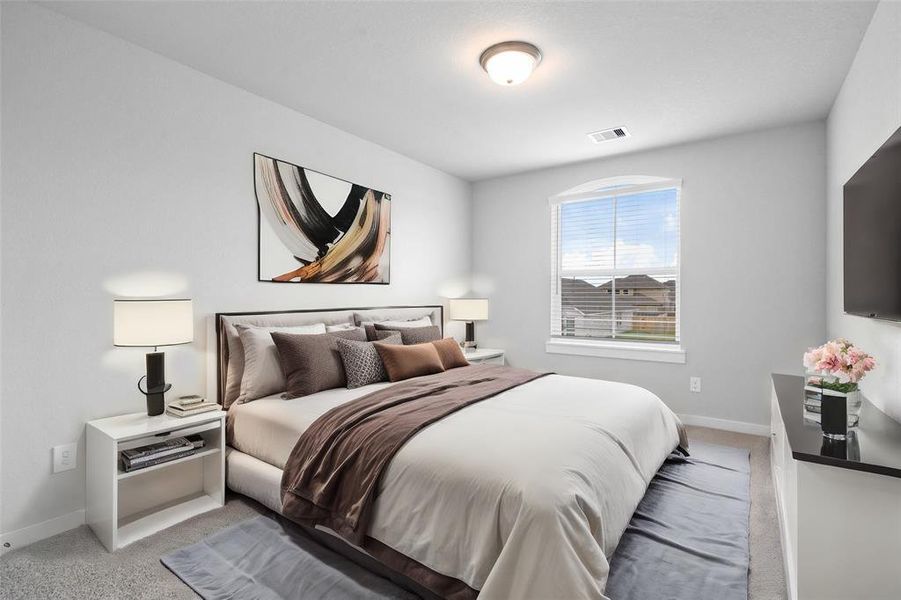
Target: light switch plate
<point x="694" y="384"/>
<point x="65" y="457"/>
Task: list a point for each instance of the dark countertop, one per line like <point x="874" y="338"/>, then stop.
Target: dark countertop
<point x="874" y="446"/>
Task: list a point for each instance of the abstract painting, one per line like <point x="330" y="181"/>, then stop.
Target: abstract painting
<point x="314" y="228"/>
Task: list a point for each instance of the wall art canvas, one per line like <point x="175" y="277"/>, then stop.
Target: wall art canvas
<point x="314" y="228"/>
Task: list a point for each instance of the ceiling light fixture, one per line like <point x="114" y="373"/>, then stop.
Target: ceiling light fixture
<point x="510" y="63"/>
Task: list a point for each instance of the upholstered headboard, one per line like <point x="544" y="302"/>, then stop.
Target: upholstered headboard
<point x="227" y="336"/>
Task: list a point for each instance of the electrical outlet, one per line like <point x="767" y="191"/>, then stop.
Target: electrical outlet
<point x="65" y="457"/>
<point x="694" y="384"/>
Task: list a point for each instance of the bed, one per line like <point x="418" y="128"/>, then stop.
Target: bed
<point x="523" y="495"/>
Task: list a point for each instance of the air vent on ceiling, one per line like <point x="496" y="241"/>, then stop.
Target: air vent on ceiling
<point x="606" y="135"/>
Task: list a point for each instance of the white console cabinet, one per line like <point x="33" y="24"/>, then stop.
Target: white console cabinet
<point x="839" y="502"/>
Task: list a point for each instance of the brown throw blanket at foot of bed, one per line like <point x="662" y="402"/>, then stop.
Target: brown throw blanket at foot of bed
<point x="332" y="475"/>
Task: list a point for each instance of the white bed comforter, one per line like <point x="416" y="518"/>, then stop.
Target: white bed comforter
<point x="524" y="495"/>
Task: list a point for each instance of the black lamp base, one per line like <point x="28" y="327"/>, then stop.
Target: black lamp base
<point x="156" y="383"/>
<point x="156" y="404"/>
<point x="470" y="335"/>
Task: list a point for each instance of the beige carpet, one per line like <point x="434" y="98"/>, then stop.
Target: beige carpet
<point x="74" y="565"/>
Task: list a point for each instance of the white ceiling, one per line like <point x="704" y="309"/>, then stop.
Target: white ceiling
<point x="406" y="75"/>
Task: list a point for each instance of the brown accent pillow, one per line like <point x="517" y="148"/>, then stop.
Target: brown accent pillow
<point x="413" y="335"/>
<point x="404" y="362"/>
<point x="311" y="362"/>
<point x="450" y="353"/>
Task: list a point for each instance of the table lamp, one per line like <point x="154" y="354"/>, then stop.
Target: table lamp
<point x="153" y="323"/>
<point x="469" y="310"/>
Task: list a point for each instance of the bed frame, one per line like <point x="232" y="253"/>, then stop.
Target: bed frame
<point x="260" y="481"/>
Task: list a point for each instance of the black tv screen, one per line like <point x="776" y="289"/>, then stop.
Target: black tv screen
<point x="872" y="225"/>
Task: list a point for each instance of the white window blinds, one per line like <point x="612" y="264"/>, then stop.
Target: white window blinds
<point x="615" y="261"/>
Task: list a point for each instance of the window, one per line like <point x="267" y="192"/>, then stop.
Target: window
<point x="615" y="267"/>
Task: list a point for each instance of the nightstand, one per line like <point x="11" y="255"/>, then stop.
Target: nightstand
<point x="125" y="507"/>
<point x="491" y="356"/>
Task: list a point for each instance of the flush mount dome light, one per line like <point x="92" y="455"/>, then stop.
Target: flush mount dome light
<point x="510" y="63"/>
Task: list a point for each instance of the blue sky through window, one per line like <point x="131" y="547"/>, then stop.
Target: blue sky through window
<point x="647" y="232"/>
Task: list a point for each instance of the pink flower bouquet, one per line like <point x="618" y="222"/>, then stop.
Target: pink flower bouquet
<point x="840" y="363"/>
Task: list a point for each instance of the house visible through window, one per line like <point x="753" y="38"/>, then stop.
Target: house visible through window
<point x="615" y="261"/>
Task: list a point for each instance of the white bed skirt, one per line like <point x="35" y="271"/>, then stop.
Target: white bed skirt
<point x="254" y="478"/>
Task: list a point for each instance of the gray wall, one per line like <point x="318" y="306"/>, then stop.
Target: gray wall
<point x="866" y="112"/>
<point x="127" y="174"/>
<point x="753" y="266"/>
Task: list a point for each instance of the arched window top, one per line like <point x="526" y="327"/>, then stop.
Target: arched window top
<point x="612" y="186"/>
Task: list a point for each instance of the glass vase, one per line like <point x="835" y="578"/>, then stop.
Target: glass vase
<point x="819" y="388"/>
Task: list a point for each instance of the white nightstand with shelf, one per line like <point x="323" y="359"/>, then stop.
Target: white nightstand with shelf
<point x="491" y="356"/>
<point x="123" y="507"/>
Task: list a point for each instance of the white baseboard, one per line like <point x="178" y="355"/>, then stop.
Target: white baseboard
<point x="725" y="425"/>
<point x="33" y="533"/>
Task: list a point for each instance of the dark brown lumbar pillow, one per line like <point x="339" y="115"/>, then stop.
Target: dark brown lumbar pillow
<point x="450" y="353"/>
<point x="414" y="335"/>
<point x="380" y="336"/>
<point x="362" y="363"/>
<point x="311" y="362"/>
<point x="374" y="335"/>
<point x="404" y="362"/>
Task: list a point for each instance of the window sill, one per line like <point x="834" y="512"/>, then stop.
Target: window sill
<point x="667" y="353"/>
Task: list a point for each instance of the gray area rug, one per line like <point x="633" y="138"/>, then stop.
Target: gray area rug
<point x="689" y="537"/>
<point x="688" y="540"/>
<point x="267" y="559"/>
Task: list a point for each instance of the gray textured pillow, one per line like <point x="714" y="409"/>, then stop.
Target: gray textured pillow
<point x="311" y="362"/>
<point x="396" y="324"/>
<point x="263" y="374"/>
<point x="370" y="328"/>
<point x="362" y="363"/>
<point x="414" y="335"/>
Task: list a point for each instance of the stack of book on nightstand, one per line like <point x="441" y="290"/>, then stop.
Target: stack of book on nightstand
<point x="154" y="454"/>
<point x="190" y="405"/>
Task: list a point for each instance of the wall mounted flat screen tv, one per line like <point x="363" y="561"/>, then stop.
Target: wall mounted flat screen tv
<point x="872" y="225"/>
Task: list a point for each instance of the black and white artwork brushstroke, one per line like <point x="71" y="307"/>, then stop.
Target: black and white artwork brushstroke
<point x="314" y="228"/>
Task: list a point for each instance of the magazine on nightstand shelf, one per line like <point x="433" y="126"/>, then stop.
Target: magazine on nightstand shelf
<point x="160" y="452"/>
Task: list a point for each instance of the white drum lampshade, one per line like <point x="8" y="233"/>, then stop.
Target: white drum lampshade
<point x="469" y="310"/>
<point x="152" y="322"/>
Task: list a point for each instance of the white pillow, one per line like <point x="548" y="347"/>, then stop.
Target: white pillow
<point x="421" y="322"/>
<point x="341" y="327"/>
<point x="263" y="375"/>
